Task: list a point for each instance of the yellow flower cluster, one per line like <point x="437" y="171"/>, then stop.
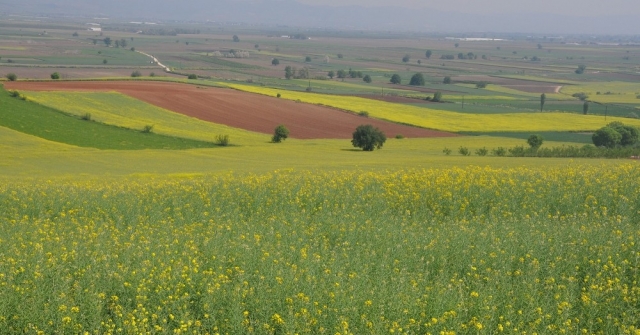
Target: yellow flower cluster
<point x="463" y="250"/>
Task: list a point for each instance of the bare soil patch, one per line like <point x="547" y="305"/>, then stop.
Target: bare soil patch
<point x="238" y="109"/>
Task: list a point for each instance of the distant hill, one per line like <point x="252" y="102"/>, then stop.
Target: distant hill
<point x="292" y="13"/>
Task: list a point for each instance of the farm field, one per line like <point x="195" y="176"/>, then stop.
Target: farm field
<point x="122" y="213"/>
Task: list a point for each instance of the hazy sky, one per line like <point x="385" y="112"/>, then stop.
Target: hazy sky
<point x="571" y="7"/>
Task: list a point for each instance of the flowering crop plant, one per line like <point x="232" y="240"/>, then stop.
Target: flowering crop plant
<point x="423" y="251"/>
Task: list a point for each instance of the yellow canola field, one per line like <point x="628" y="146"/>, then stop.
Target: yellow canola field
<point x="444" y="120"/>
<point x="411" y="251"/>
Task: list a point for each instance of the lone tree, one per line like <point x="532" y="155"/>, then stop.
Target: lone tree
<point x="368" y="138"/>
<point x="236" y="38"/>
<point x="55" y="75"/>
<point x="406" y="58"/>
<point x="395" y="79"/>
<point x="307" y="59"/>
<point x="417" y="80"/>
<point x="12" y="77"/>
<point x="107" y="41"/>
<point x="585" y="108"/>
<point x="289" y="72"/>
<point x="280" y="134"/>
<point x="275" y="62"/>
<point x="580" y="69"/>
<point x="366" y="78"/>
<point x="437" y="97"/>
<point x="535" y="141"/>
<point x="331" y="74"/>
<point x="446" y="80"/>
<point x="428" y="54"/>
<point x="543" y="99"/>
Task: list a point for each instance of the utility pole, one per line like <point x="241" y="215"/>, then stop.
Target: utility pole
<point x="462" y="101"/>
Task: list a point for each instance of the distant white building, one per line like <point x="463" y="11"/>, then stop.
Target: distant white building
<point x="94" y="29"/>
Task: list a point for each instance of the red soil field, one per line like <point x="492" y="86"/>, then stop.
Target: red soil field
<point x="243" y="110"/>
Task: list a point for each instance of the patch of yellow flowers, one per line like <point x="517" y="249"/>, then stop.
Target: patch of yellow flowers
<point x="464" y="250"/>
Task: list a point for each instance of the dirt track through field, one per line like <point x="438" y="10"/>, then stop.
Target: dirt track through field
<point x="237" y="109"/>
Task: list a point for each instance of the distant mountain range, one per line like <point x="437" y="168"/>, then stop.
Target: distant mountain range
<point x="292" y="13"/>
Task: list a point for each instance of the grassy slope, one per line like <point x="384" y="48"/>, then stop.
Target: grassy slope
<point x="47" y="123"/>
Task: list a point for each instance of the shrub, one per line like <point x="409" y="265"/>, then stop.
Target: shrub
<point x="55" y="76"/>
<point x="136" y="73"/>
<point x="86" y="117"/>
<point x="368" y="138"/>
<point x="12" y="77"/>
<point x="517" y="151"/>
<point x="446" y="80"/>
<point x="279" y="134"/>
<point x="363" y="113"/>
<point x="499" y="151"/>
<point x="222" y="140"/>
<point x="464" y="151"/>
<point x="399" y="136"/>
<point x="152" y="74"/>
<point x="581" y="95"/>
<point x="446" y="151"/>
<point x="147" y="129"/>
<point x="278" y="95"/>
<point x="366" y="78"/>
<point x="437" y="97"/>
<point x="482" y="84"/>
<point x="482" y="151"/>
<point x="395" y="79"/>
<point x="14" y="94"/>
<point x="192" y="76"/>
<point x="606" y="137"/>
<point x="535" y="141"/>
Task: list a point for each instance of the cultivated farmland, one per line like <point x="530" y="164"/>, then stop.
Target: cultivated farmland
<point x="159" y="204"/>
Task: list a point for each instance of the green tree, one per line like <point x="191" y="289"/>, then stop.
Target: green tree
<point x="104" y="61"/>
<point x="275" y="62"/>
<point x="417" y="80"/>
<point x="543" y="99"/>
<point x="289" y="72"/>
<point x="446" y="80"/>
<point x="606" y="137"/>
<point x="280" y="134"/>
<point x="236" y="38"/>
<point x="55" y="76"/>
<point x="192" y="76"/>
<point x="307" y="59"/>
<point x="368" y="138"/>
<point x="481" y="84"/>
<point x="535" y="141"/>
<point x="342" y="74"/>
<point x="11" y="76"/>
<point x="437" y="97"/>
<point x="395" y="79"/>
<point x="406" y="58"/>
<point x="107" y="41"/>
<point x="366" y="78"/>
<point x="136" y="74"/>
<point x="428" y="54"/>
<point x="629" y="133"/>
<point x="123" y="43"/>
<point x="331" y="74"/>
<point x="585" y="108"/>
<point x="580" y="69"/>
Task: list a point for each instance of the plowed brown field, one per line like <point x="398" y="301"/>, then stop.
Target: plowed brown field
<point x="237" y="109"/>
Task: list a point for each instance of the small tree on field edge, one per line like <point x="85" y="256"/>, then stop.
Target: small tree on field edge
<point x="535" y="141"/>
<point x="279" y="134"/>
<point x="395" y="79"/>
<point x="368" y="138"/>
<point x="55" y="76"/>
<point x="12" y="77"/>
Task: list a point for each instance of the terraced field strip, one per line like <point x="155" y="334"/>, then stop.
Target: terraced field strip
<point x="445" y="120"/>
<point x="238" y="109"/>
